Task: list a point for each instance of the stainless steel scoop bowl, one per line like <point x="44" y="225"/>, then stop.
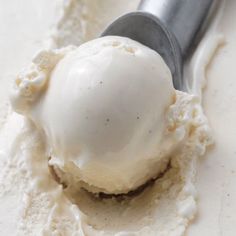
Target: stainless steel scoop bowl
<point x="166" y="26"/>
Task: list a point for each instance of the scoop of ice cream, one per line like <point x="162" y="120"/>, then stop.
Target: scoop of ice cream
<point x="103" y="108"/>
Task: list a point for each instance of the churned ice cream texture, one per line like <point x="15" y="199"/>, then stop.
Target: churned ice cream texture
<point x="164" y="207"/>
<point x="105" y="108"/>
<point x="110" y="119"/>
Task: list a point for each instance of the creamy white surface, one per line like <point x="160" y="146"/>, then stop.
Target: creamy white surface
<point x="22" y="25"/>
<point x="215" y="173"/>
<point x="104" y="108"/>
<point x="166" y="208"/>
<point x="216" y="177"/>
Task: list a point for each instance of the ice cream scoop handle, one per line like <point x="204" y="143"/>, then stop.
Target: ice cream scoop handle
<point x="183" y="17"/>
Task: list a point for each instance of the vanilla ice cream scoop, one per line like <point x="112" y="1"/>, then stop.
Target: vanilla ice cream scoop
<point x="103" y="108"/>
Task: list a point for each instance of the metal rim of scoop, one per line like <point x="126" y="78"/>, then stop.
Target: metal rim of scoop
<point x="165" y="43"/>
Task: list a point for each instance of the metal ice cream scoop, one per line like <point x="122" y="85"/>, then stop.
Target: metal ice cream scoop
<point x="167" y="26"/>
